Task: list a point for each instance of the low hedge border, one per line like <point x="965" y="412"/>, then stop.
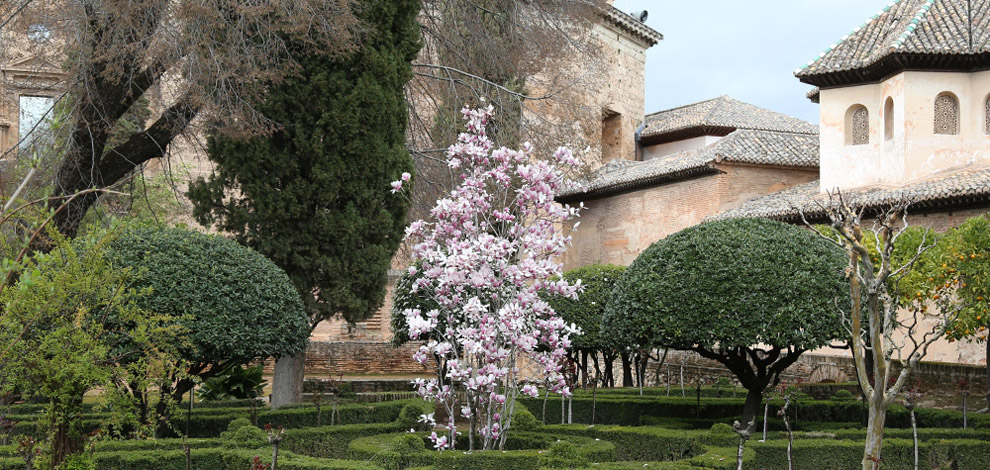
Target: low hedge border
<point x="379" y="448"/>
<point x="639" y="443"/>
<point x="632" y="411"/>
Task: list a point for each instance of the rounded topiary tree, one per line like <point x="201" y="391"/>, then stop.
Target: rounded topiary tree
<point x="587" y="311"/>
<point x="234" y="305"/>
<point x="752" y="294"/>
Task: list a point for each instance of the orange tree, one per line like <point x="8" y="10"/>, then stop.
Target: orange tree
<point x="968" y="261"/>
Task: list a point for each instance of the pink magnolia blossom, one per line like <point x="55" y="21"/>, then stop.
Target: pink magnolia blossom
<point x="488" y="250"/>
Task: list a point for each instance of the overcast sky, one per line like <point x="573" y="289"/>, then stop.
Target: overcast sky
<point x="746" y="49"/>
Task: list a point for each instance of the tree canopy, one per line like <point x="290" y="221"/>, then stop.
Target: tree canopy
<point x="752" y="294"/>
<point x="588" y="309"/>
<point x="234" y="304"/>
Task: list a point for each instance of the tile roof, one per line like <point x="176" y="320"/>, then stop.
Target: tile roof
<point x="960" y="187"/>
<point x="928" y="34"/>
<point x="742" y="146"/>
<point x="632" y="25"/>
<point x="722" y="112"/>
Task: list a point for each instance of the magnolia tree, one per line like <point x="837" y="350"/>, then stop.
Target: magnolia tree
<point x="483" y="258"/>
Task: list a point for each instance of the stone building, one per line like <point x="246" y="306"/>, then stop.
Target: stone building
<point x="30" y="82"/>
<point x="695" y="161"/>
<point x="905" y="116"/>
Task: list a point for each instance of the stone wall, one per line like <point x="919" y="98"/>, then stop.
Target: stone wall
<point x="616" y="229"/>
<point x="350" y="358"/>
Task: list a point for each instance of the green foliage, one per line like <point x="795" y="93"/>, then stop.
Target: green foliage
<point x="524" y="421"/>
<point x="968" y="259"/>
<point x="78" y="462"/>
<point x="408" y="444"/>
<point x="314" y="196"/>
<point x="237" y="424"/>
<point x="588" y="309"/>
<point x="249" y="437"/>
<point x="732" y="284"/>
<point x="563" y="454"/>
<point x="410" y="414"/>
<point x="235" y="383"/>
<point x="67" y="326"/>
<point x="403" y="298"/>
<point x="235" y="304"/>
<point x="721" y="429"/>
<point x="843" y="395"/>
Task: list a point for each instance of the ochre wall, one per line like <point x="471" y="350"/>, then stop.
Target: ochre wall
<point x="915" y="151"/>
<point x="616" y="229"/>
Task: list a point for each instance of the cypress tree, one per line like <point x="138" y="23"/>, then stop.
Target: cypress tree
<point x="314" y="195"/>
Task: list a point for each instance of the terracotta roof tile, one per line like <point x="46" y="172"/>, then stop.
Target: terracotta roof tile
<point x="910" y="28"/>
<point x="723" y="112"/>
<point x="742" y="146"/>
<point x="939" y="189"/>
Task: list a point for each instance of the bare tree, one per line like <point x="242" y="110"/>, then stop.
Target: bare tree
<point x="883" y="325"/>
<point x="194" y="60"/>
<point x="538" y="63"/>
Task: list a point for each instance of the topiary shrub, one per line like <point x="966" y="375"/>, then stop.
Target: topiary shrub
<point x="249" y="437"/>
<point x="408" y="444"/>
<point x="563" y="454"/>
<point x="843" y="395"/>
<point x="721" y="429"/>
<point x="524" y="421"/>
<point x="234" y="304"/>
<point x="237" y="424"/>
<point x="410" y="414"/>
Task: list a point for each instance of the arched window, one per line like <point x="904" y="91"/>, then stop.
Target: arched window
<point x="946" y="114"/>
<point x="888" y="119"/>
<point x="857" y="125"/>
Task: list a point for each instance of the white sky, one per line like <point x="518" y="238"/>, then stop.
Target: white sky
<point x="747" y="49"/>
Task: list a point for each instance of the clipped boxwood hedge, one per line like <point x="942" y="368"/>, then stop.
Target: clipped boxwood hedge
<point x="639" y="443"/>
<point x="635" y="411"/>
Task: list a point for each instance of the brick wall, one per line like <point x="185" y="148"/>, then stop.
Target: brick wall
<point x="616" y="229"/>
<point x="332" y="358"/>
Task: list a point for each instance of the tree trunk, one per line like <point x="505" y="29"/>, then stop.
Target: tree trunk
<point x="751" y="408"/>
<point x="287" y="381"/>
<point x="874" y="434"/>
<point x="584" y="368"/>
<point x="627" y="375"/>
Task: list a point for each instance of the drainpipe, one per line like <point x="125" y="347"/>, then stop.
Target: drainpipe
<point x="639" y="142"/>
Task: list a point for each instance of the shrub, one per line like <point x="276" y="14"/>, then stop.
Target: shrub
<point x="249" y="437"/>
<point x="235" y="304"/>
<point x="525" y="421"/>
<point x="237" y="424"/>
<point x="843" y="395"/>
<point x="234" y="383"/>
<point x="721" y="429"/>
<point x="408" y="444"/>
<point x="78" y="462"/>
<point x="563" y="454"/>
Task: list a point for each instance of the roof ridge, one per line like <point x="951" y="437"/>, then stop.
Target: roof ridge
<point x="913" y="24"/>
<point x="831" y="48"/>
<point x="771" y="131"/>
<point x="688" y="105"/>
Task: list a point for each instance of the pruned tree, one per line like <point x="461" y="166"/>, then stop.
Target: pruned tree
<point x="194" y="61"/>
<point x="967" y="250"/>
<point x="893" y="330"/>
<point x="313" y="196"/>
<point x="752" y="294"/>
<point x="586" y="312"/>
<point x="233" y="304"/>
